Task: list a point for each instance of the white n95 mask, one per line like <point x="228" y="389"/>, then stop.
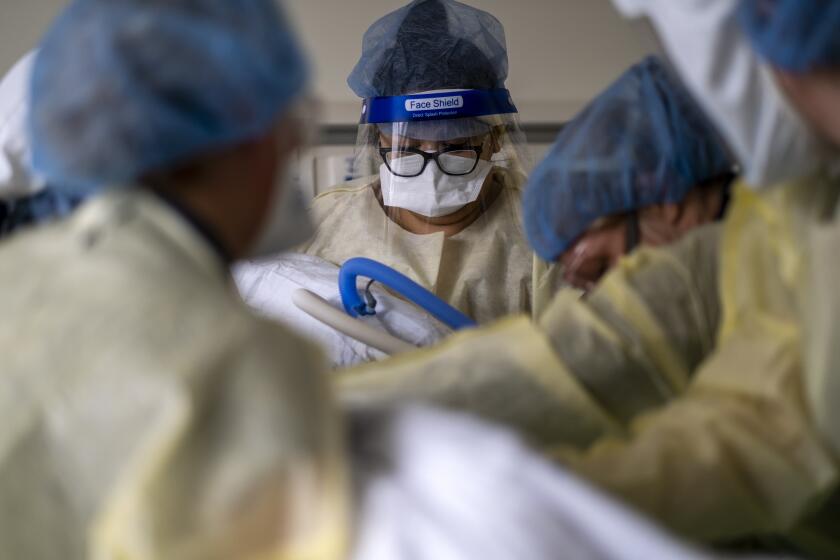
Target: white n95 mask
<point x="735" y="88"/>
<point x="434" y="193"/>
<point x="288" y="223"/>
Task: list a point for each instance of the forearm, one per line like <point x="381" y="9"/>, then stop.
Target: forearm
<point x="506" y="373"/>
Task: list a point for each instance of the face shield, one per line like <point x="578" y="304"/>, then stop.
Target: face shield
<point x="437" y="153"/>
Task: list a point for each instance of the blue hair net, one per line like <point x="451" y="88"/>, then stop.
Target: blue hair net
<point x="431" y="45"/>
<point x="124" y="87"/>
<point x="641" y="142"/>
<point x="795" y="35"/>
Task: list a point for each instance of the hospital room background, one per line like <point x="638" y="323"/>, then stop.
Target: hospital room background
<point x="562" y="53"/>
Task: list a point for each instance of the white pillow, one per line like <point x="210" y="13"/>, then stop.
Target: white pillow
<point x="268" y="287"/>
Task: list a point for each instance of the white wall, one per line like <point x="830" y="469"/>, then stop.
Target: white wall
<point x="22" y="23"/>
<point x="562" y="51"/>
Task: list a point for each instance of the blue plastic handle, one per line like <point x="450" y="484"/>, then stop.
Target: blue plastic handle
<point x="355" y="306"/>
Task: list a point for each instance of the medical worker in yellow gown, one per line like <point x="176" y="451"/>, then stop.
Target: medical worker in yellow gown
<point x="147" y="413"/>
<point x="440" y="160"/>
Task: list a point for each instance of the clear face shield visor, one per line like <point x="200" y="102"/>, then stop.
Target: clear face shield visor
<point x="435" y="153"/>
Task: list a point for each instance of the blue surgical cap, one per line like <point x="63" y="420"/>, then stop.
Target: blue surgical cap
<point x="641" y="142"/>
<point x="431" y="45"/>
<point x="124" y="87"/>
<point x="795" y="35"/>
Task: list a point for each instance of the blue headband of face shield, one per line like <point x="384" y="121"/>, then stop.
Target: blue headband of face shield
<point x="438" y="116"/>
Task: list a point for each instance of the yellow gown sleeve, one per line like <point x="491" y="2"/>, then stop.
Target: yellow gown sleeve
<point x="635" y="341"/>
<point x="506" y="373"/>
<point x="547" y="280"/>
<point x="823" y="321"/>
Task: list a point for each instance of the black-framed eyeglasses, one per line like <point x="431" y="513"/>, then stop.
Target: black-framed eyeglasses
<point x="412" y="162"/>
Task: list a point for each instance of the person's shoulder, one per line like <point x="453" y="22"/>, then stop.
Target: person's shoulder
<point x="27" y="248"/>
<point x="346" y="198"/>
<point x="356" y="188"/>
